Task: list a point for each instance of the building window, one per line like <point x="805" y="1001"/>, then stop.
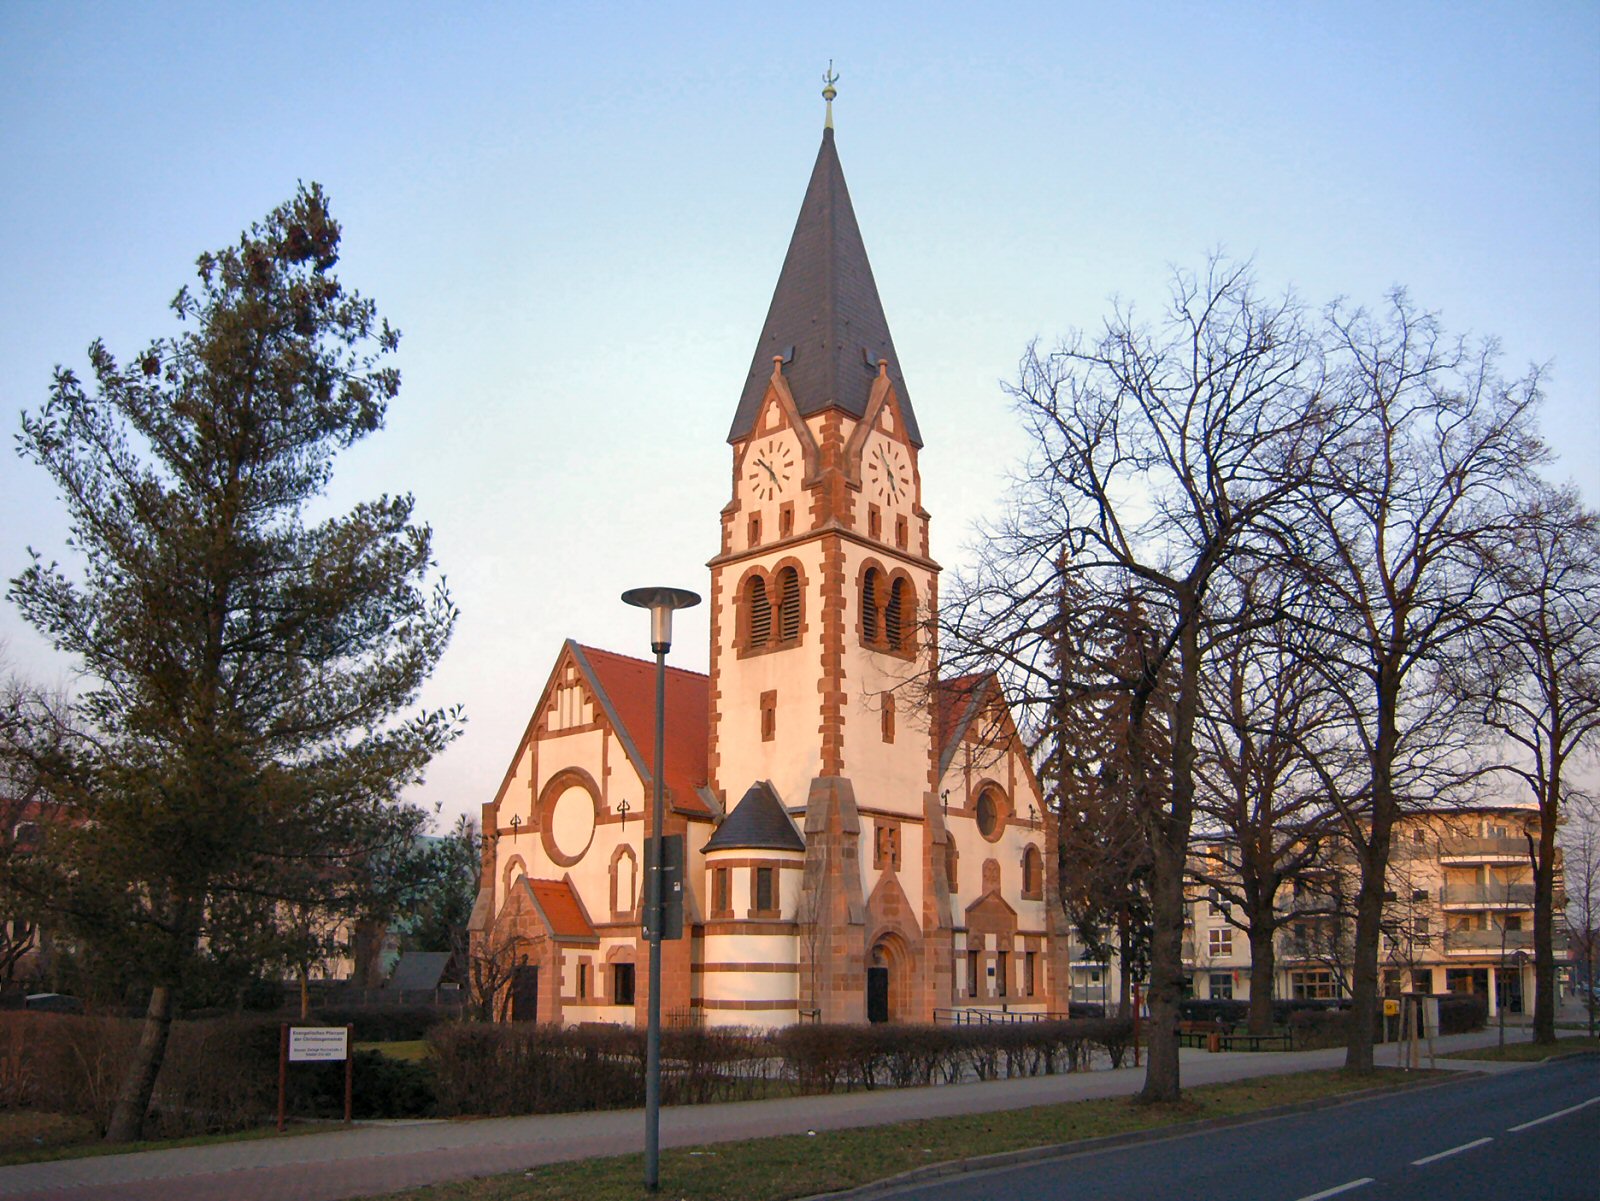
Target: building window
<point x="972" y="973"/>
<point x="1028" y="970"/>
<point x="769" y="715"/>
<point x="583" y="979"/>
<point x="1418" y="836"/>
<point x="622" y="984"/>
<point x="786" y="519"/>
<point x="888" y="717"/>
<point x="764" y="894"/>
<point x="871" y="587"/>
<point x="874" y="522"/>
<point x="758" y="613"/>
<point x="898" y="616"/>
<point x="1000" y="969"/>
<point x="886" y="846"/>
<point x="1312" y="985"/>
<point x="901" y="530"/>
<point x="990" y="812"/>
<point x="788" y="605"/>
<point x="721" y="892"/>
<point x="1422" y="928"/>
<point x="1032" y="874"/>
<point x="1222" y="986"/>
<point x="753" y="531"/>
<point x="1419" y="894"/>
<point x="1220" y="940"/>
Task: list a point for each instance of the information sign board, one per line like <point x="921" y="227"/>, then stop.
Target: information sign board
<point x="319" y="1044"/>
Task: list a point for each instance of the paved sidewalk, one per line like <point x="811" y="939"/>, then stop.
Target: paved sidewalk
<point x="385" y="1157"/>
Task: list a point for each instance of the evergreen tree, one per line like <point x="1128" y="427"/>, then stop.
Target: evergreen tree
<point x="248" y="717"/>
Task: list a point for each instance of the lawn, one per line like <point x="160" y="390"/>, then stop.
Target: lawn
<point x="412" y="1049"/>
<point x="1524" y="1052"/>
<point x="774" y="1169"/>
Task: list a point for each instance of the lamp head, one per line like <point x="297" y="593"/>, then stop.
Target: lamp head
<point x="661" y="602"/>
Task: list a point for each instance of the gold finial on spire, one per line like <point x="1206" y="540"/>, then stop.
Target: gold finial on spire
<point x="829" y="92"/>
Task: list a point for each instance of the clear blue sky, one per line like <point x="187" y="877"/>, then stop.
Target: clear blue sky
<point x="576" y="214"/>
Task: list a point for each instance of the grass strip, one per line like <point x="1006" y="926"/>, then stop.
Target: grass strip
<point x="1521" y="1052"/>
<point x="789" y="1166"/>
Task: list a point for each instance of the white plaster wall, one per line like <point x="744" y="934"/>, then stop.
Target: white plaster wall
<point x="793" y="758"/>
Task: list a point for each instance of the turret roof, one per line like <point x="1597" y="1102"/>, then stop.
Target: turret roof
<point x="758" y="821"/>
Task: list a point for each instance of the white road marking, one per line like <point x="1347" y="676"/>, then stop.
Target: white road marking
<point x="1337" y="1189"/>
<point x="1477" y="1142"/>
<point x="1560" y="1113"/>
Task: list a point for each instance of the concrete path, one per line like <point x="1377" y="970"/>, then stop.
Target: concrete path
<point x="385" y="1157"/>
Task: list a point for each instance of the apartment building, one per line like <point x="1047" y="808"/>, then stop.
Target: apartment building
<point x="1458" y="918"/>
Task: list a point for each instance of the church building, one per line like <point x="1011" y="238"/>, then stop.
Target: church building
<point x="862" y="840"/>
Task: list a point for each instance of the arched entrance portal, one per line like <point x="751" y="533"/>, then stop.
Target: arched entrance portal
<point x="878" y="986"/>
<point x="888" y="977"/>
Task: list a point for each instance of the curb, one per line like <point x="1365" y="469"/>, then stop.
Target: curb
<point x="1110" y="1142"/>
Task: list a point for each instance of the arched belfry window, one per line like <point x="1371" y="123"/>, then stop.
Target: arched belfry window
<point x="871" y="597"/>
<point x="758" y="612"/>
<point x="788" y="605"/>
<point x="897" y="615"/>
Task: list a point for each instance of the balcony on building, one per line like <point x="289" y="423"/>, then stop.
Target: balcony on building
<point x="1484" y="850"/>
<point x="1487" y="942"/>
<point x="1486" y="896"/>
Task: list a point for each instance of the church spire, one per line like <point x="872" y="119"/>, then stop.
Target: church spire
<point x="825" y="322"/>
<point x="829" y="78"/>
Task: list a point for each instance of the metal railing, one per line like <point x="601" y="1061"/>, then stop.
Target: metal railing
<point x="1516" y="896"/>
<point x="1488" y="941"/>
<point x="1483" y="848"/>
<point x="991" y="1017"/>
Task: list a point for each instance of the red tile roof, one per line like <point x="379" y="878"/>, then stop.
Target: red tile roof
<point x="953" y="708"/>
<point x="629" y="688"/>
<point x="559" y="906"/>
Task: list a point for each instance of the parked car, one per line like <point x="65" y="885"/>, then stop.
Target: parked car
<point x="52" y="1002"/>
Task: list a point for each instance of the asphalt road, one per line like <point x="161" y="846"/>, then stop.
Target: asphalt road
<point x="1532" y="1135"/>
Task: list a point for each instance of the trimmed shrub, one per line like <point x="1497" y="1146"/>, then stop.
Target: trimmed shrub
<point x="382" y="1023"/>
<point x="1314" y="1029"/>
<point x="1460" y="1013"/>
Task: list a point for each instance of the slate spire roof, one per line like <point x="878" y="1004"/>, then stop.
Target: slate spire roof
<point x="825" y="312"/>
<point x="758" y="821"/>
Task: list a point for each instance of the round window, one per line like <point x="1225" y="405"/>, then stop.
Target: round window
<point x="989" y="813"/>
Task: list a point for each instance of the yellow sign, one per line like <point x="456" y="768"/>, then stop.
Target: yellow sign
<point x="1391" y="1008"/>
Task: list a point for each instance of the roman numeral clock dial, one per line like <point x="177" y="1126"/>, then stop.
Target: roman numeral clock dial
<point x="771" y="469"/>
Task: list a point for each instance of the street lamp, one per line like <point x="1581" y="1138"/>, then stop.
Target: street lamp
<point x="661" y="602"/>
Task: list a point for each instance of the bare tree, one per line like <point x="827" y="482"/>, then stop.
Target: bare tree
<point x="1412" y="509"/>
<point x="1161" y="454"/>
<point x="1583" y="890"/>
<point x="1264" y="710"/>
<point x="1536" y="672"/>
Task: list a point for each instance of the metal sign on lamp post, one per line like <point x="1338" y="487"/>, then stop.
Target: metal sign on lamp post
<point x="661" y="602"/>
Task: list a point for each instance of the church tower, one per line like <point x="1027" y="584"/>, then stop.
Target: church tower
<point x="822" y="654"/>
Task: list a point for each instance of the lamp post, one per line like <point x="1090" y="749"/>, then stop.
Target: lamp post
<point x="661" y="602"/>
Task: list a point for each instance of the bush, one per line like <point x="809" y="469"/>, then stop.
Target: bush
<point x="1314" y="1029"/>
<point x="382" y="1023"/>
<point x="1460" y="1013"/>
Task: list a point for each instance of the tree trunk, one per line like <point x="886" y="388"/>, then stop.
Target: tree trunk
<point x="1263" y="967"/>
<point x="1544" y="958"/>
<point x="1161" y="1082"/>
<point x="1124" y="966"/>
<point x="133" y="1099"/>
<point x="305" y="992"/>
<point x="1369" y="928"/>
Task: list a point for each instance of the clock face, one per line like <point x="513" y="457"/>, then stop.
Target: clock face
<point x="888" y="473"/>
<point x="770" y="468"/>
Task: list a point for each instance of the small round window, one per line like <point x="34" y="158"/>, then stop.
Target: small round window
<point x="990" y="813"/>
